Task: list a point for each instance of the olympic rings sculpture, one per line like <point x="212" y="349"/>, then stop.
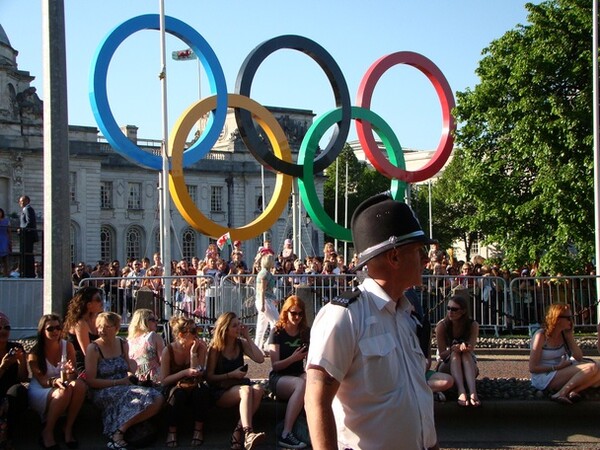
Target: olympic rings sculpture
<point x="247" y="110"/>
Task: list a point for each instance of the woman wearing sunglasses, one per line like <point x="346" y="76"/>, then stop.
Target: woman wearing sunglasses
<point x="226" y="374"/>
<point x="182" y="370"/>
<point x="145" y="345"/>
<point x="54" y="389"/>
<point x="556" y="361"/>
<point x="456" y="336"/>
<point x="288" y="347"/>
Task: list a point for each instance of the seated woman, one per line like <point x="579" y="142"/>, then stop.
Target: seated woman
<point x="226" y="375"/>
<point x="182" y="369"/>
<point x="13" y="371"/>
<point x="80" y="321"/>
<point x="288" y="346"/>
<point x="107" y="368"/>
<point x="555" y="358"/>
<point x="456" y="338"/>
<point x="54" y="388"/>
<point x="145" y="345"/>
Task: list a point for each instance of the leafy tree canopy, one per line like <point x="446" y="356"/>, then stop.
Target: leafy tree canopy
<point x="525" y="140"/>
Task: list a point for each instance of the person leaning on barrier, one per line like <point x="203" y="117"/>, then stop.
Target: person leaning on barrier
<point x="265" y="301"/>
<point x="556" y="361"/>
<point x="366" y="386"/>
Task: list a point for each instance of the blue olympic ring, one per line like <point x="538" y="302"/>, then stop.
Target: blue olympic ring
<point x="99" y="99"/>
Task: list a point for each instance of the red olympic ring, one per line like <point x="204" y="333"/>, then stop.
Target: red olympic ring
<point x="365" y="131"/>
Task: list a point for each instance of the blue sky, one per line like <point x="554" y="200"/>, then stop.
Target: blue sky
<point x="452" y="33"/>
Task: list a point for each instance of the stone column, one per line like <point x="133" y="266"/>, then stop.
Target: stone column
<point x="57" y="258"/>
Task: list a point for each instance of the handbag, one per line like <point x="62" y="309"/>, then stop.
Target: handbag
<point x="187" y="383"/>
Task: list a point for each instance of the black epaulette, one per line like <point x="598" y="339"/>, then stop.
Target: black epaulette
<point x="346" y="298"/>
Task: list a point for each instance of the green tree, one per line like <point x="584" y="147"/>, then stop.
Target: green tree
<point x="526" y="139"/>
<point x="451" y="208"/>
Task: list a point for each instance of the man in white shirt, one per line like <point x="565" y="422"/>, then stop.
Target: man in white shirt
<point x="366" y="386"/>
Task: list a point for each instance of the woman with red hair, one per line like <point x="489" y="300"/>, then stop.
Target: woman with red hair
<point x="556" y="361"/>
<point x="288" y="347"/>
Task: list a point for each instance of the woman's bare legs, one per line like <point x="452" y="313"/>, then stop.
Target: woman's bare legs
<point x="291" y="388"/>
<point x="574" y="378"/>
<point x="79" y="390"/>
<point x="58" y="402"/>
<point x="456" y="370"/>
<point x="470" y="372"/>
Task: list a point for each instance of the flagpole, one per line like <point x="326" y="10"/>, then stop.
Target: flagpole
<point x="596" y="128"/>
<point x="335" y="205"/>
<point x="165" y="243"/>
<point x="262" y="193"/>
<point x="346" y="212"/>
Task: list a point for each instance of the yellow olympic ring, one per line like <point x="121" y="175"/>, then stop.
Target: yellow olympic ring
<point x="178" y="189"/>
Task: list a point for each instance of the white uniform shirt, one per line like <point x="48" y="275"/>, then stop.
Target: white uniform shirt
<point x="370" y="348"/>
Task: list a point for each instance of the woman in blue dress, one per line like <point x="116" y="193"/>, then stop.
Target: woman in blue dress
<point x="109" y="375"/>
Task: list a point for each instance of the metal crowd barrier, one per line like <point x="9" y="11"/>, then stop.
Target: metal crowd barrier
<point x="494" y="303"/>
<point x="204" y="299"/>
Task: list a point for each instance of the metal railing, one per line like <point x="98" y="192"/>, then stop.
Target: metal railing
<point x="494" y="302"/>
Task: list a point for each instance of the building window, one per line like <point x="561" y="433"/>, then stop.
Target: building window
<point x="106" y="196"/>
<point x="134" y="201"/>
<point x="73" y="186"/>
<point x="193" y="192"/>
<point x="475" y="246"/>
<point x="189" y="244"/>
<point x="259" y="202"/>
<point x="216" y="199"/>
<point x="133" y="243"/>
<point x="106" y="244"/>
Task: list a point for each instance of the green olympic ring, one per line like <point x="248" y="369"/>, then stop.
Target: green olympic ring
<point x="307" y="152"/>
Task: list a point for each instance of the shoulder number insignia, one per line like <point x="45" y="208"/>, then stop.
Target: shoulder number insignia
<point x="346" y="298"/>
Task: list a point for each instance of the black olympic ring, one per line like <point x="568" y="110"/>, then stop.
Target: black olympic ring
<point x="250" y="136"/>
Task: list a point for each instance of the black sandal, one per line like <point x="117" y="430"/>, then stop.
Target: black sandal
<point x="198" y="437"/>
<point x="117" y="443"/>
<point x="236" y="443"/>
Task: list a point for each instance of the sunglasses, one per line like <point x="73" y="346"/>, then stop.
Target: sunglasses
<point x="188" y="330"/>
<point x="566" y="317"/>
<point x="296" y="313"/>
<point x="5" y="327"/>
<point x="453" y="308"/>
<point x="53" y="328"/>
<point x="152" y="319"/>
